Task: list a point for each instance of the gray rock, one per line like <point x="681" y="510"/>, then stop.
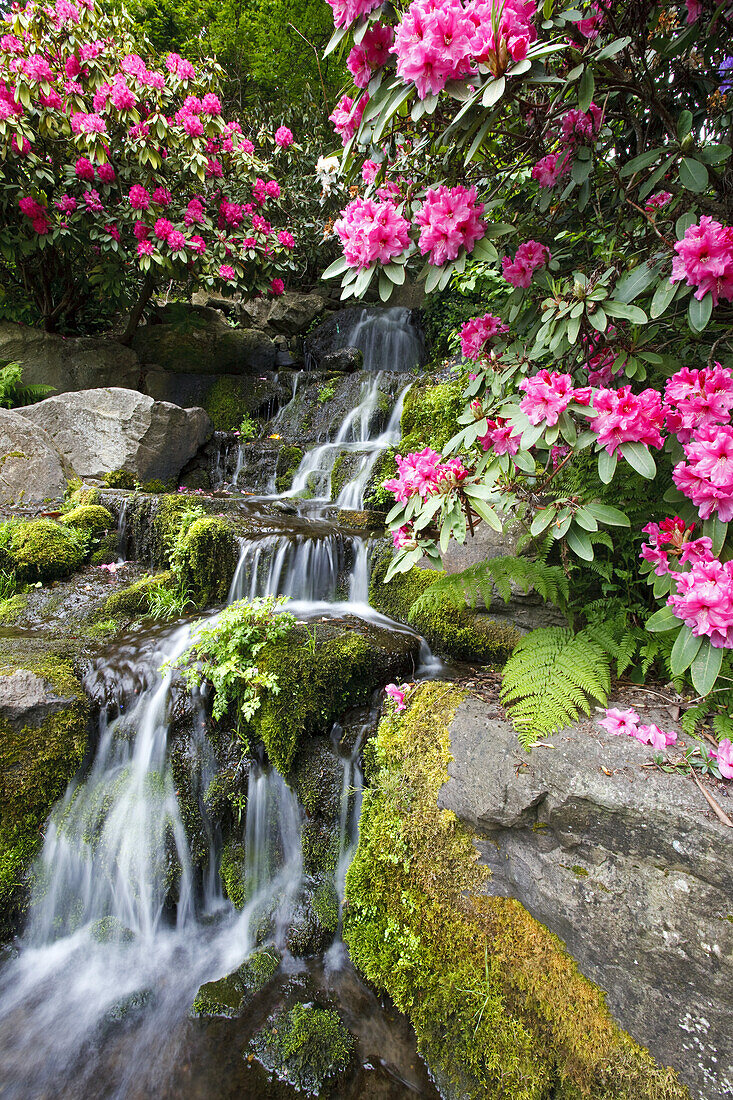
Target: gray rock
<point x="345" y="360"/>
<point x="31" y="469"/>
<point x="68" y="363"/>
<point x="625" y="864"/>
<point x="200" y="341"/>
<point x="292" y="313"/>
<point x="26" y="699"/>
<point x="116" y="429"/>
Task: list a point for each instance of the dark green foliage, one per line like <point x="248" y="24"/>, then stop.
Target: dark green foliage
<point x="551" y="677"/>
<point x="480" y="582"/>
<point x="429" y="415"/>
<point x="320" y="843"/>
<point x="83" y="494"/>
<point x="231" y="869"/>
<point x="326" y="906"/>
<point x="205" y="559"/>
<point x="42" y="550"/>
<point x="305" y="1047"/>
<point x="13" y="394"/>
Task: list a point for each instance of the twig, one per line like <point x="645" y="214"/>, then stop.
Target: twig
<point x="318" y="63"/>
<point x="719" y="813"/>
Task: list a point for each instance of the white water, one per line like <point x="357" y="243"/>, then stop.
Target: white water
<point x="387" y="338"/>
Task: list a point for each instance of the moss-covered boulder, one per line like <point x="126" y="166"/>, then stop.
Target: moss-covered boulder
<point x="430" y="414"/>
<point x="133" y="601"/>
<point x="231" y="995"/>
<point x="110" y="930"/>
<point x="289" y="458"/>
<point x="307" y="1046"/>
<point x="499" y="1008"/>
<point x="42" y="550"/>
<point x="119" y="479"/>
<point x="205" y="559"/>
<point x="231" y="870"/>
<point x="43" y="738"/>
<point x="314" y="920"/>
<point x="350" y="659"/>
<point x="320" y="844"/>
<point x="85" y="494"/>
<point x="90" y="517"/>
<point x="317" y="777"/>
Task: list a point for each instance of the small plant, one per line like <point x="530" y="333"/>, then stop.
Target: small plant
<point x="13" y="394"/>
<point x="310" y="642"/>
<point x="224" y="653"/>
<point x="326" y="393"/>
<point x="170" y="603"/>
<point x="247" y="429"/>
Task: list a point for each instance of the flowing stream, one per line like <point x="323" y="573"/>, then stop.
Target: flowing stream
<point x="124" y="928"/>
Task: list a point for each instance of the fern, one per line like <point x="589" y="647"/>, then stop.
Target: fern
<point x="13" y="393"/>
<point x="480" y="581"/>
<point x="551" y="676"/>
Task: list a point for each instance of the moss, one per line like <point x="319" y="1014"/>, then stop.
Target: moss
<point x="155" y="486"/>
<point x="499" y="1008"/>
<point x="374" y="495"/>
<point x="343" y="470"/>
<point x="85" y="496"/>
<point x="326" y="906"/>
<point x="111" y="930"/>
<point x="580" y="871"/>
<point x="205" y="559"/>
<point x="12" y="608"/>
<point x="320" y="843"/>
<point x="289" y="458"/>
<point x="226" y="404"/>
<point x="305" y="1046"/>
<point x="36" y="763"/>
<point x="166" y="517"/>
<point x="231" y="869"/>
<point x="396" y="598"/>
<point x="120" y="479"/>
<point x="90" y="517"/>
<point x="107" y="550"/>
<point x="42" y="550"/>
<point x="133" y="601"/>
<point x="463" y="634"/>
<point x="430" y="414"/>
<point x="232" y="994"/>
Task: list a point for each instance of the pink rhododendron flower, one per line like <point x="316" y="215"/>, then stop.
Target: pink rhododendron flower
<point x="84" y="169"/>
<point x="672" y="537"/>
<point x="283" y="137"/>
<point x="161" y="196"/>
<point x="397" y="694"/>
<point x="369" y="171"/>
<point x="704" y="601"/>
<point x="695" y="398"/>
<point x="247" y="146"/>
<point x="654" y="736"/>
<point x="22" y="148"/>
<point x="211" y="105"/>
<point x="36" y="67"/>
<point x="450" y="219"/>
<point x="139" y="197"/>
<point x="581" y="127"/>
<point x="176" y="240"/>
<point x="277" y="287"/>
<point x="371" y="231"/>
<point x="346" y="11"/>
<point x="194" y="213"/>
<point x="707" y="476"/>
<point x="272" y="189"/>
<point x="66" y="204"/>
<point x="145" y="248"/>
<point x="106" y="173"/>
<point x="705" y="259"/>
<point x="551" y="168"/>
<point x="724" y="756"/>
<point x="226" y="272"/>
<point x="694" y="10"/>
<point x="477" y="331"/>
<point x="141" y="231"/>
<point x="528" y="257"/>
<point x="121" y="95"/>
<point x="548" y="394"/>
<point x="402" y="537"/>
<point x="591" y="25"/>
<point x="626" y="417"/>
<point x="163" y="229"/>
<point x="346" y="116"/>
<point x="422" y="474"/>
<point x="500" y="437"/>
<point x="656" y="202"/>
<point x="620" y="722"/>
<point x="287" y="240"/>
<point x="197" y="244"/>
<point x="93" y="202"/>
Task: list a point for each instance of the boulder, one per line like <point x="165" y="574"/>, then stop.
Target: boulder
<point x="626" y="864"/>
<point x="345" y="360"/>
<point x="68" y="363"/>
<point x="116" y="429"/>
<point x="31" y="468"/>
<point x="290" y="314"/>
<point x="200" y="341"/>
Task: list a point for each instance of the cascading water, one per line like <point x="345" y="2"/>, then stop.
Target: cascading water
<point x="387" y="338"/>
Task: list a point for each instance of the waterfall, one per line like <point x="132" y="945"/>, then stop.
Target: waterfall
<point x="352" y="494"/>
<point x="387" y="338"/>
<point x="302" y="568"/>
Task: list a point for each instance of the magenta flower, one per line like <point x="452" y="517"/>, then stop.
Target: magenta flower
<point x="620" y="722"/>
<point x="548" y="394"/>
<point x="346" y="11"/>
<point x="707" y="477"/>
<point x="227" y="273"/>
<point x="176" y="240"/>
<point x="500" y="437"/>
<point x="161" y="196"/>
<point x="704" y="601"/>
<point x="346" y="116"/>
<point x="476" y="332"/>
<point x="277" y="287"/>
<point x="84" y="169"/>
<point x="626" y="417"/>
<point x="656" y="202"/>
<point x="371" y="231"/>
<point x="450" y="218"/>
<point x="106" y="173"/>
<point x="696" y="398"/>
<point x="283" y="137"/>
<point x="551" y="168"/>
<point x="705" y="259"/>
<point x="138" y="197"/>
<point x="397" y="694"/>
<point x="162" y="229"/>
<point x="287" y="240"/>
<point x="528" y="258"/>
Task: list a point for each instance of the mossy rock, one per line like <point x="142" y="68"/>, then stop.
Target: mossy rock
<point x="41" y="749"/>
<point x="85" y="495"/>
<point x="226" y="403"/>
<point x="306" y="1046"/>
<point x="110" y="930"/>
<point x="396" y="597"/>
<point x="326" y="906"/>
<point x="231" y="870"/>
<point x="133" y="601"/>
<point x="42" y="550"/>
<point x="317" y="778"/>
<point x="107" y="550"/>
<point x="350" y="660"/>
<point x="129" y="1007"/>
<point x="90" y="517"/>
<point x="155" y="486"/>
<point x="289" y="458"/>
<point x="314" y="919"/>
<point x="119" y="479"/>
<point x="463" y="634"/>
<point x="320" y="843"/>
<point x="498" y="1006"/>
<point x="206" y="558"/>
<point x="230" y="996"/>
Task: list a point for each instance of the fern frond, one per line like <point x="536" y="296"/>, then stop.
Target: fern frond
<point x="497" y="575"/>
<point x="694" y="717"/>
<point x="550" y="678"/>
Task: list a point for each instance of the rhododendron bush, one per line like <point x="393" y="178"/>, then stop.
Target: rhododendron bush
<point x="118" y="170"/>
<point x="577" y="160"/>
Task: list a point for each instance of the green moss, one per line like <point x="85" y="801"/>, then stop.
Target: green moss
<point x="463" y="634"/>
<point x="90" y="517"/>
<point x="120" y="479"/>
<point x="581" y="872"/>
<point x="85" y="496"/>
<point x="498" y="1007"/>
<point x="231" y="995"/>
<point x="205" y="559"/>
<point x="12" y="608"/>
<point x="231" y="870"/>
<point x="306" y="1047"/>
<point x="320" y="843"/>
<point x="107" y="550"/>
<point x="289" y="458"/>
<point x="155" y="486"/>
<point x="42" y="550"/>
<point x="430" y="414"/>
<point x="133" y="601"/>
<point x="396" y="598"/>
<point x="226" y="404"/>
<point x="111" y="930"/>
<point x="341" y="473"/>
<point x="326" y="906"/>
<point x="36" y="763"/>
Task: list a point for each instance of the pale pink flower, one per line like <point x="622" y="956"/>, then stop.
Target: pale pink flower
<point x="724" y="756"/>
<point x="620" y="722"/>
<point x="626" y="417"/>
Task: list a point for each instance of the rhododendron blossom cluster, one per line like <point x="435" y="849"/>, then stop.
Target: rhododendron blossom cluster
<point x="704" y="601"/>
<point x="450" y="219"/>
<point x="371" y="231"/>
<point x="620" y="722"/>
<point x="528" y="258"/>
<point x="705" y="259"/>
<point x="707" y="475"/>
<point x="671" y="538"/>
<point x="477" y="331"/>
<point x="547" y="395"/>
<point x="423" y="474"/>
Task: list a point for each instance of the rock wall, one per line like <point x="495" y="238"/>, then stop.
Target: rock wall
<point x="624" y="863"/>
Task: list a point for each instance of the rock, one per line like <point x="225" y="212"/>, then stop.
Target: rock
<point x="314" y="920"/>
<point x="111" y="930"/>
<point x="317" y="777"/>
<point x="27" y="699"/>
<point x="292" y="313"/>
<point x="129" y="1007"/>
<point x="485" y="543"/>
<point x="116" y="429"/>
<point x="305" y="1046"/>
<point x="625" y="864"/>
<point x="345" y="360"/>
<point x="68" y="363"/>
<point x="31" y="469"/>
<point x="229" y="996"/>
<point x="201" y="342"/>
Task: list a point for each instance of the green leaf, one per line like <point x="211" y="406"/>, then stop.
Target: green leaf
<point x="585" y="519"/>
<point x="396" y="273"/>
<point x="663" y="295"/>
<point x="715" y="154"/>
<point x="606" y="466"/>
<point x="693" y="175"/>
<point x="662" y="621"/>
<point x="715" y="530"/>
<point x="485" y="250"/>
<point x="487" y="514"/>
<point x="644" y="160"/>
<point x="684" y="125"/>
<point x="337" y="37"/>
<point x="700" y="312"/>
<point x="625" y="312"/>
<point x="604" y="513"/>
<point x="433" y="278"/>
<point x="385" y="286"/>
<point x="586" y="89"/>
<point x="638" y="456"/>
<point x="683" y="223"/>
<point x="579" y="543"/>
<point x="684" y="651"/>
<point x="338" y="267"/>
<point x="493" y="92"/>
<point x="705" y="667"/>
<point x="542" y="521"/>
